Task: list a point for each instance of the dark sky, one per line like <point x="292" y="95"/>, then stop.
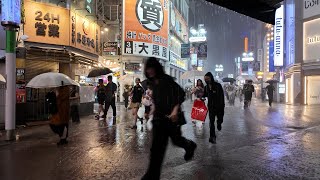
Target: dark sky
<point x="226" y="31"/>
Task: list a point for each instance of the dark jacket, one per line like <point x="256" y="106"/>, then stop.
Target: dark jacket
<point x="215" y="96"/>
<point x="167" y="94"/>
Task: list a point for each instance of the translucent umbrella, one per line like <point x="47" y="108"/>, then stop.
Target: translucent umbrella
<point x="51" y="80"/>
<point x="192" y="74"/>
<point x="129" y="78"/>
<point x="2" y="79"/>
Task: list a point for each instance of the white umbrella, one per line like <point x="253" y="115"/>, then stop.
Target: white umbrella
<point x="2" y="79"/>
<point x="192" y="74"/>
<point x="51" y="80"/>
<point x="129" y="78"/>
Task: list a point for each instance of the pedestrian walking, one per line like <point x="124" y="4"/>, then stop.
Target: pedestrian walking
<point x="110" y="99"/>
<point x="59" y="122"/>
<point x="168" y="118"/>
<point x="136" y="93"/>
<point x="101" y="95"/>
<point x="125" y="95"/>
<point x="75" y="102"/>
<point x="270" y="89"/>
<point x="147" y="101"/>
<point x="198" y="91"/>
<point x="248" y="89"/>
<point x="215" y="94"/>
<point x="231" y="91"/>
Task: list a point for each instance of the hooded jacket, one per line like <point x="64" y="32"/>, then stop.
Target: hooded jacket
<point x="215" y="95"/>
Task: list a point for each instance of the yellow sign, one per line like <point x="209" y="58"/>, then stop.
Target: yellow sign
<point x="84" y="34"/>
<point x="46" y="23"/>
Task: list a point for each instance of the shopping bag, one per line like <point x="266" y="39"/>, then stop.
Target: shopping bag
<point x="199" y="110"/>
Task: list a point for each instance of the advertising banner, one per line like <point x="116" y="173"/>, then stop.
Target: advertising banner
<point x="146" y="28"/>
<point x="311" y="40"/>
<point x="185" y="50"/>
<point x="279" y="37"/>
<point x="271" y="57"/>
<point x="202" y="50"/>
<point x="84" y="34"/>
<point x="310" y="8"/>
<point x="110" y="46"/>
<point x="46" y="23"/>
<point x="194" y="59"/>
<point x="10" y="12"/>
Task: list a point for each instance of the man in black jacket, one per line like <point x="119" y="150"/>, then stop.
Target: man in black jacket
<point x="168" y="118"/>
<point x="214" y="92"/>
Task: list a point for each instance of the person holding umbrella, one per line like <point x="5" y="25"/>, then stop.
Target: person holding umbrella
<point x="270" y="89"/>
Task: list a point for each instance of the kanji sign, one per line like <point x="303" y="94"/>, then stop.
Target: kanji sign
<point x="146" y="28"/>
<point x="84" y="34"/>
<point x="46" y="23"/>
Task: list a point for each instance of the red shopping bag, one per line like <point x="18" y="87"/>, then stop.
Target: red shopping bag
<point x="199" y="110"/>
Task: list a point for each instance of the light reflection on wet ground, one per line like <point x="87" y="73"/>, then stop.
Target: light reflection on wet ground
<point x="259" y="143"/>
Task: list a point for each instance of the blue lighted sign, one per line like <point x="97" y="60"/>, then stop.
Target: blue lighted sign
<point x="11" y="12"/>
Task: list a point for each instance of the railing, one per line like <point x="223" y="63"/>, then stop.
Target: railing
<point x="112" y="12"/>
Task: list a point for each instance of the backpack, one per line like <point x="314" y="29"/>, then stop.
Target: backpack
<point x="51" y="102"/>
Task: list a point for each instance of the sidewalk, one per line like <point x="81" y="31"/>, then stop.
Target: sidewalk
<point x="260" y="143"/>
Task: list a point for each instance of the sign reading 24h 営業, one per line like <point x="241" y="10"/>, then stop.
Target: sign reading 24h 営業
<point x="146" y="28"/>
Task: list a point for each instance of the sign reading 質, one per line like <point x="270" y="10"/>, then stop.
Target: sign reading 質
<point x="146" y="28"/>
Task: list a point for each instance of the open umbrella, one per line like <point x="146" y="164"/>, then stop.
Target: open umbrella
<point x="2" y="79"/>
<point x="272" y="81"/>
<point x="192" y="74"/>
<point x="99" y="72"/>
<point x="51" y="80"/>
<point x="129" y="78"/>
<point x="226" y="79"/>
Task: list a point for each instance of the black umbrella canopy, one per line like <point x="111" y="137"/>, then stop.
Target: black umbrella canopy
<point x="228" y="79"/>
<point x="272" y="81"/>
<point x="99" y="72"/>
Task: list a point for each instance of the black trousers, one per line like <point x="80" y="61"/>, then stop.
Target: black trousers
<point x="162" y="130"/>
<point x="111" y="103"/>
<point x="126" y="102"/>
<point x="212" y="116"/>
<point x="75" y="113"/>
<point x="270" y="96"/>
<point x="59" y="129"/>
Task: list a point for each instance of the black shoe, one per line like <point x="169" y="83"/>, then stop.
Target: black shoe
<point x="141" y="120"/>
<point x="190" y="151"/>
<point x="213" y="140"/>
<point x="62" y="142"/>
<point x="134" y="127"/>
<point x="219" y="126"/>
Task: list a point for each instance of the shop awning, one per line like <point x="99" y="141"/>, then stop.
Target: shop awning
<point x="263" y="10"/>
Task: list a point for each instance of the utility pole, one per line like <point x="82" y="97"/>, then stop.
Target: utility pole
<point x="11" y="19"/>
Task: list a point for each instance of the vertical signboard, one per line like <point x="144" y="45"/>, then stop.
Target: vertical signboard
<point x="10" y="12"/>
<point x="290" y="32"/>
<point x="279" y="37"/>
<point x="146" y="28"/>
<point x="185" y="50"/>
<point x="271" y="56"/>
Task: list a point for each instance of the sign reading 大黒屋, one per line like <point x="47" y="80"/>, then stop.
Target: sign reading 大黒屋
<point x="146" y="28"/>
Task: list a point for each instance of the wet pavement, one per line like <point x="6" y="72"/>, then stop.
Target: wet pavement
<point x="259" y="143"/>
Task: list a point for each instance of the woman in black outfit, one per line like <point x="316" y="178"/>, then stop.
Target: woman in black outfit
<point x="168" y="118"/>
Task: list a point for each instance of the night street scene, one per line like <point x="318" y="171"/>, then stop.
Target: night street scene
<point x="159" y="89"/>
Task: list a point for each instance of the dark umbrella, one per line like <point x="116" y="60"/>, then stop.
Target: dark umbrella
<point x="271" y="81"/>
<point x="228" y="79"/>
<point x="99" y="72"/>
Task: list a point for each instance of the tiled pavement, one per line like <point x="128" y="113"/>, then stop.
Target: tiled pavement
<point x="260" y="143"/>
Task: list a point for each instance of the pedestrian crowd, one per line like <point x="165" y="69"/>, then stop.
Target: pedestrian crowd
<point x="162" y="99"/>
